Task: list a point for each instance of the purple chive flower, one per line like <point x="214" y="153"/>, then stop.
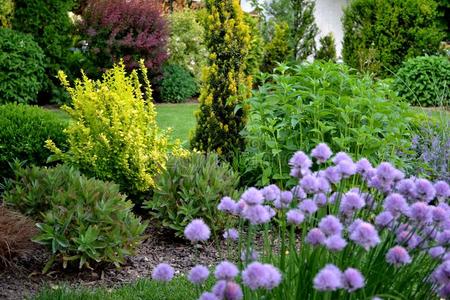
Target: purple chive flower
<point x="298" y="192"/>
<point x="444" y="291"/>
<point x="330" y="225"/>
<point x="250" y="255"/>
<point x="271" y="192"/>
<point x="407" y="188"/>
<point x="352" y="280"/>
<point x="363" y="167"/>
<point x="354" y="224"/>
<point x="295" y="216"/>
<point x="320" y="199"/>
<point x="335" y="243"/>
<point x="254" y="276"/>
<point x="396" y="204"/>
<point x="286" y="197"/>
<point x="323" y="185"/>
<point x="231" y="234"/>
<point x="328" y="279"/>
<point x="442" y="190"/>
<point x="397" y="256"/>
<point x="315" y="237"/>
<point x="384" y="219"/>
<point x="425" y="190"/>
<point x="442" y="273"/>
<point x="198" y="274"/>
<point x="385" y="172"/>
<point x="240" y="206"/>
<point x="197" y="231"/>
<point x="233" y="291"/>
<point x="439" y="214"/>
<point x="227" y="205"/>
<point x="163" y="272"/>
<point x="219" y="289"/>
<point x="332" y="174"/>
<point x="309" y="184"/>
<point x="346" y="168"/>
<point x="208" y="296"/>
<point x="226" y="271"/>
<point x="270" y="210"/>
<point x="341" y="156"/>
<point x="365" y="235"/>
<point x="443" y="238"/>
<point x="436" y="252"/>
<point x="350" y="203"/>
<point x="273" y="277"/>
<point x="300" y="160"/>
<point x="321" y="152"/>
<point x="252" y="196"/>
<point x="256" y="214"/>
<point x="420" y="212"/>
<point x="308" y="206"/>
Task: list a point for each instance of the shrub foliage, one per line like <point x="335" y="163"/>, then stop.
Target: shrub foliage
<point x="189" y="188"/>
<point x="21" y="67"/>
<point x="380" y="34"/>
<point x="128" y="30"/>
<point x="327" y="50"/>
<point x="321" y="102"/>
<point x="81" y="220"/>
<point x="24" y="130"/>
<point x="6" y="13"/>
<point x="424" y="81"/>
<point x="114" y="135"/>
<point x="277" y="49"/>
<point x="177" y="84"/>
<point x="221" y="116"/>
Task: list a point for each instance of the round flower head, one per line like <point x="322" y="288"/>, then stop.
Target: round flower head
<point x="443" y="238"/>
<point x="208" y="296"/>
<point x="439" y="215"/>
<point x="227" y="205"/>
<point x="256" y="214"/>
<point x="341" y="156"/>
<point x="436" y="252"/>
<point x="350" y="203"/>
<point x="321" y="152"/>
<point x="354" y="224"/>
<point x="442" y="273"/>
<point x="384" y="219"/>
<point x="315" y="237"/>
<point x="239" y="208"/>
<point x="420" y="212"/>
<point x="309" y="184"/>
<point x="231" y="234"/>
<point x="273" y="277"/>
<point x="330" y="225"/>
<point x="198" y="274"/>
<point x="233" y="291"/>
<point x="335" y="243"/>
<point x="254" y="276"/>
<point x="398" y="256"/>
<point x="328" y="279"/>
<point x="365" y="235"/>
<point x="252" y="196"/>
<point x="407" y="188"/>
<point x="320" y="199"/>
<point x="385" y="172"/>
<point x="298" y="192"/>
<point x="219" y="289"/>
<point x="308" y="206"/>
<point x="424" y="190"/>
<point x="363" y="167"/>
<point x="332" y="174"/>
<point x="286" y="197"/>
<point x="271" y="192"/>
<point x="352" y="280"/>
<point x="300" y="160"/>
<point x="442" y="190"/>
<point x="323" y="185"/>
<point x="295" y="216"/>
<point x="444" y="291"/>
<point x="163" y="272"/>
<point x="347" y="168"/>
<point x="226" y="271"/>
<point x="395" y="204"/>
<point x="251" y="255"/>
<point x="270" y="210"/>
<point x="197" y="231"/>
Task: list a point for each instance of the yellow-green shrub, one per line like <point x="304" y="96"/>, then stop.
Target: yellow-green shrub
<point x="114" y="135"/>
<point x="225" y="83"/>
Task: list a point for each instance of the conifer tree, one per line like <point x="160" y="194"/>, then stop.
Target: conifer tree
<point x="225" y="84"/>
<point x="327" y="50"/>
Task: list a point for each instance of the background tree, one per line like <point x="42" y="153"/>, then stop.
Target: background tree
<point x="278" y="49"/>
<point x="221" y="116"/>
<point x="327" y="50"/>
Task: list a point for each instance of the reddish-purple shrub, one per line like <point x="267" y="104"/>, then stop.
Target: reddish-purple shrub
<point x="127" y="29"/>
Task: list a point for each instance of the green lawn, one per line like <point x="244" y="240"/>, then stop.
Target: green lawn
<point x="177" y="289"/>
<point x="179" y="117"/>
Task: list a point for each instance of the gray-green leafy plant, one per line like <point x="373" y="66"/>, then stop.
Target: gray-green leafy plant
<point x="81" y="219"/>
<point x="298" y="107"/>
<point x="190" y="188"/>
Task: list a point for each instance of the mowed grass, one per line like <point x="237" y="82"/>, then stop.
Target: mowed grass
<point x="180" y="117"/>
<point x="178" y="289"/>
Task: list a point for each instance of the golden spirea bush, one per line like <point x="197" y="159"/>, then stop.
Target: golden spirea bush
<point x="114" y="135"/>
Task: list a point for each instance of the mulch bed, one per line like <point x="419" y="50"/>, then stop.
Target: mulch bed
<point x="24" y="278"/>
